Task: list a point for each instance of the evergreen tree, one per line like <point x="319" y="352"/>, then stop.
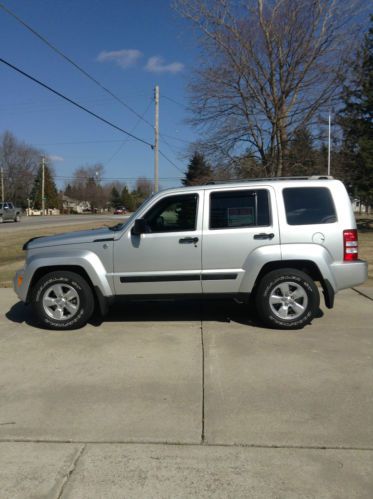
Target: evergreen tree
<point x="69" y="191"/>
<point x="127" y="199"/>
<point x="199" y="171"/>
<point x="142" y="191"/>
<point x="356" y="119"/>
<point x="50" y="189"/>
<point x="115" y="198"/>
<point x="301" y="157"/>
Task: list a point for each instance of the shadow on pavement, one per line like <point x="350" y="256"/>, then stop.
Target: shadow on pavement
<point x="157" y="311"/>
<point x="21" y="313"/>
<point x="182" y="310"/>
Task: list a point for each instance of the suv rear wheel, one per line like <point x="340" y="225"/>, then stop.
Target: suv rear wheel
<point x="287" y="299"/>
<point x="62" y="300"/>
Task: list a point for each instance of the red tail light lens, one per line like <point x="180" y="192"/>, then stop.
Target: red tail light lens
<point x="350" y="245"/>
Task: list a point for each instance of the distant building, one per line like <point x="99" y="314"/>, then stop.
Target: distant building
<point x="74" y="205"/>
<point x="359" y="207"/>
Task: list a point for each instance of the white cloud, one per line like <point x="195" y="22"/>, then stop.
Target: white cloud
<point x="123" y="58"/>
<point x="56" y="158"/>
<point x="156" y="64"/>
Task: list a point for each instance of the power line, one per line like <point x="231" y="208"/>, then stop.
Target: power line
<point x="70" y="61"/>
<point x="96" y="141"/>
<point x="171" y="100"/>
<point x="73" y="177"/>
<point x="76" y="104"/>
<point x="85" y="73"/>
<point x="76" y="142"/>
<point x="117" y="151"/>
<point x="170" y="161"/>
<point x="176" y="138"/>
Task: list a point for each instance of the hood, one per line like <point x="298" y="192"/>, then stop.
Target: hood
<point x="79" y="237"/>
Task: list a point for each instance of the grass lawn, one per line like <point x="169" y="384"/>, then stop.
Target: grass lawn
<point x="12" y="255"/>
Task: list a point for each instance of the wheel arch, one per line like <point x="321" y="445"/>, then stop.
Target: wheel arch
<point x="308" y="267"/>
<point x="42" y="271"/>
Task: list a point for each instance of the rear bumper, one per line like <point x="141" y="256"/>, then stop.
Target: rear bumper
<point x="349" y="274"/>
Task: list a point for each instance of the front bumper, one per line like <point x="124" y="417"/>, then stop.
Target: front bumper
<point x="19" y="285"/>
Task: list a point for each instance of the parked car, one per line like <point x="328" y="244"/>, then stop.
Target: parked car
<point x="268" y="241"/>
<point x="121" y="210"/>
<point x="9" y="213"/>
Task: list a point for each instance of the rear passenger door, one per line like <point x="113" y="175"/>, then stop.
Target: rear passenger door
<point x="167" y="258"/>
<point x="239" y="223"/>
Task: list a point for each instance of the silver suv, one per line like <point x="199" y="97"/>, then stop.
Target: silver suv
<point x="268" y="240"/>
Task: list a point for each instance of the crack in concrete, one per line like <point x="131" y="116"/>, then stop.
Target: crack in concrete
<point x="180" y="444"/>
<point x="71" y="470"/>
<point x="203" y="384"/>
<point x="361" y="293"/>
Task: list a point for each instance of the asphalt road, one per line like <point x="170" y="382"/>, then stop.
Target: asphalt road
<point x="53" y="221"/>
<point x="199" y="401"/>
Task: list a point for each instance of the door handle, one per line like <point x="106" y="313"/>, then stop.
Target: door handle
<point x="188" y="240"/>
<point x="263" y="235"/>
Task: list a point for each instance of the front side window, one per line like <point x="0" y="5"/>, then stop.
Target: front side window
<point x="309" y="205"/>
<point x="235" y="209"/>
<point x="173" y="214"/>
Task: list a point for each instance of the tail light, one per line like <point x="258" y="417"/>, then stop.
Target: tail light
<point x="350" y="245"/>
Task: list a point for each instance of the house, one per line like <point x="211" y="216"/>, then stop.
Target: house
<point x="359" y="207"/>
<point x="74" y="205"/>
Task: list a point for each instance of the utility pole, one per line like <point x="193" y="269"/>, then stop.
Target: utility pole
<point x="156" y="137"/>
<point x="42" y="185"/>
<point x="329" y="134"/>
<point x="2" y="185"/>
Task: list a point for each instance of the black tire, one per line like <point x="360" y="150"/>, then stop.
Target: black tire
<point x="17" y="218"/>
<point x="1" y="219"/>
<point x="280" y="309"/>
<point x="75" y="302"/>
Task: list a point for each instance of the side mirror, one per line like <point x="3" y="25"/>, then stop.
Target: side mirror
<point x="140" y="227"/>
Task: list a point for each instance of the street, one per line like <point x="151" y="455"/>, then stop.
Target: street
<point x="187" y="400"/>
<point x="53" y="221"/>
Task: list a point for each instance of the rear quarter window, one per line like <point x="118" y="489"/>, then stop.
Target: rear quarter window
<point x="309" y="205"/>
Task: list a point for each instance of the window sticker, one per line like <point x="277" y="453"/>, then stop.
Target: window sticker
<point x="240" y="216"/>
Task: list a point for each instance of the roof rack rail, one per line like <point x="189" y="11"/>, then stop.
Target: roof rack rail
<point x="266" y="179"/>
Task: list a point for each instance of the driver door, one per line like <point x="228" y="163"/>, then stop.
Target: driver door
<point x="166" y="259"/>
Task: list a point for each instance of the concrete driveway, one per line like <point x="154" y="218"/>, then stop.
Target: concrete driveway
<point x="165" y="400"/>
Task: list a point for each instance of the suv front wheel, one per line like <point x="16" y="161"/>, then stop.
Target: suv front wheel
<point x="62" y="300"/>
<point x="287" y="299"/>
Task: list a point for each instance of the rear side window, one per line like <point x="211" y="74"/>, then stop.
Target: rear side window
<point x="234" y="209"/>
<point x="309" y="205"/>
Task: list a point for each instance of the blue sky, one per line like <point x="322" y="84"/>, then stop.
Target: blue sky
<point x="129" y="46"/>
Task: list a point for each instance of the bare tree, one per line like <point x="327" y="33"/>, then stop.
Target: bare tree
<point x="144" y="187"/>
<point x="20" y="163"/>
<point x="268" y="67"/>
<point x="86" y="185"/>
